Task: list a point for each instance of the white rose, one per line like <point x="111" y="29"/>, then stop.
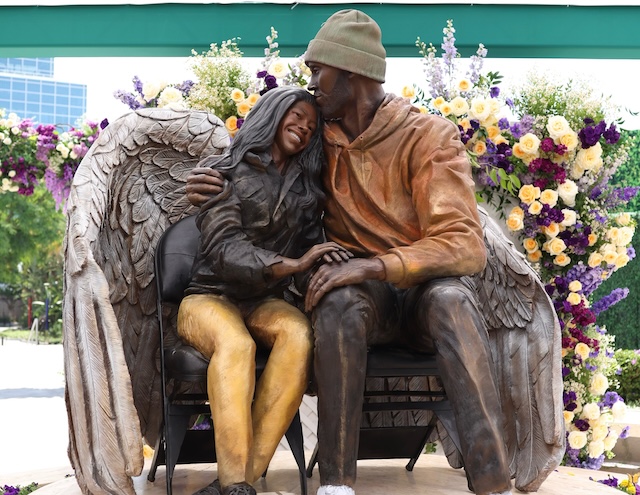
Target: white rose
<point x="15" y="131"/>
<point x="623" y="219"/>
<point x="577" y="439"/>
<point x="596" y="449"/>
<point x="611" y="440"/>
<point x="570" y="217"/>
<point x="626" y="234"/>
<point x="63" y="150"/>
<point x="278" y="69"/>
<point x="591" y="411"/>
<point x="150" y="90"/>
<point x="459" y="106"/>
<point x="169" y="96"/>
<point x="558" y="127"/>
<point x="480" y="109"/>
<point x="599" y="384"/>
<point x="619" y="410"/>
<point x="599" y="433"/>
<point x="567" y="192"/>
<point x="6" y="141"/>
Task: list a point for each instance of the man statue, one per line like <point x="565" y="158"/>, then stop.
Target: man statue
<point x="401" y="198"/>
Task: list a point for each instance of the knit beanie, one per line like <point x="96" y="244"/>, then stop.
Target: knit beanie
<point x="352" y="41"/>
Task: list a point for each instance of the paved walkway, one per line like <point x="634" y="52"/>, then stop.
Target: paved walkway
<point x="33" y="415"/>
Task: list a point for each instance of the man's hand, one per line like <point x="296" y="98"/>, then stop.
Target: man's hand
<point x="202" y="184"/>
<point x="334" y="275"/>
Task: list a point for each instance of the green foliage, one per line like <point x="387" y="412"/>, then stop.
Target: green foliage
<point x="31" y="265"/>
<point x="218" y="72"/>
<point x="621" y="320"/>
<point x="629" y="380"/>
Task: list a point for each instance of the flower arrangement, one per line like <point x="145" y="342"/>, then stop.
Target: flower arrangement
<point x="31" y="153"/>
<point x="18" y="490"/>
<point x="223" y="85"/>
<point x="628" y="485"/>
<point x="155" y="94"/>
<point x="544" y="158"/>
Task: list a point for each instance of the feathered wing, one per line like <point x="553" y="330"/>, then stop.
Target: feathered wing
<point x="526" y="348"/>
<point x="127" y="190"/>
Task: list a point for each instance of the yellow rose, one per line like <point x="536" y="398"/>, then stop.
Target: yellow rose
<point x="237" y="95"/>
<point x="574" y="298"/>
<point x="592" y="238"/>
<point x="613" y="235"/>
<point x="562" y="260"/>
<point x="514" y="223"/>
<point x="528" y="193"/>
<point x="518" y="152"/>
<point x="464" y="123"/>
<point x="535" y="208"/>
<point x="590" y="411"/>
<point x="610" y="257"/>
<point x="570" y="140"/>
<point x="552" y="230"/>
<point x="278" y="69"/>
<point x="516" y="210"/>
<point x="479" y="148"/>
<point x="438" y="102"/>
<point x="557" y="126"/>
<point x="408" y="92"/>
<point x="423" y="109"/>
<point x="549" y="197"/>
<point x="596" y="449"/>
<point x="582" y="350"/>
<point x="529" y="144"/>
<point x="243" y="108"/>
<point x="493" y="131"/>
<point x="459" y="106"/>
<point x="599" y="384"/>
<point x="575" y="286"/>
<point x="231" y="123"/>
<point x="534" y="256"/>
<point x="621" y="260"/>
<point x="577" y="439"/>
<point x="499" y="139"/>
<point x="567" y="192"/>
<point x="595" y="260"/>
<point x="530" y="245"/>
<point x="446" y="109"/>
<point x="623" y="219"/>
<point x="570" y="218"/>
<point x="555" y="246"/>
<point x="464" y="85"/>
<point x="568" y="417"/>
<point x="252" y="99"/>
<point x="590" y="158"/>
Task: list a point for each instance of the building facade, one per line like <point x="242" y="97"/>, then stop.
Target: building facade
<point x="28" y="89"/>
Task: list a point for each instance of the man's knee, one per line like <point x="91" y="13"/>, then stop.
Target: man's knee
<point x="446" y="297"/>
<point x="343" y="315"/>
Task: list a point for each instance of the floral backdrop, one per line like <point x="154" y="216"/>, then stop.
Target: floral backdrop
<point x="542" y="155"/>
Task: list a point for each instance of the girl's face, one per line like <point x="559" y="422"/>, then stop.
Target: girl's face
<point x="295" y="129"/>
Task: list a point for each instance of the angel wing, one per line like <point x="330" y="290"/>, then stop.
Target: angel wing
<point x="526" y="348"/>
<point x="129" y="187"/>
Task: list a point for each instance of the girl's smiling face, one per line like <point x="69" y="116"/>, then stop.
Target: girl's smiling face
<point x="294" y="131"/>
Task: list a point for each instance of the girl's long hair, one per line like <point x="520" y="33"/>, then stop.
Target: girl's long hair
<point x="258" y="133"/>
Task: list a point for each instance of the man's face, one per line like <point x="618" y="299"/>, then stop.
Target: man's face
<point x="331" y="89"/>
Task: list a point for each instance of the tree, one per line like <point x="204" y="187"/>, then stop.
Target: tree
<point x="31" y="234"/>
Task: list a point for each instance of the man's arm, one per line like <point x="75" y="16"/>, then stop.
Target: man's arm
<point x="202" y="184"/>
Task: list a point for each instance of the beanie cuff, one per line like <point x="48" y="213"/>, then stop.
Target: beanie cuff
<point x="346" y="58"/>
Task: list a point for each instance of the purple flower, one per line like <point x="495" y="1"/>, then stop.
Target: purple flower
<point x="494" y="92"/>
<point x="104" y="123"/>
<point x="611" y="299"/>
<point x="262" y="74"/>
<point x="547" y="145"/>
<point x="503" y="123"/>
<point x="611" y="135"/>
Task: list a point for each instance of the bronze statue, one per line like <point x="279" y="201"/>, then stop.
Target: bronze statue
<point x="431" y="272"/>
<point x="131" y="186"/>
<point x="260" y="231"/>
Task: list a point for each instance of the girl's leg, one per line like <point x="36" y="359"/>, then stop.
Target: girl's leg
<point x="215" y="327"/>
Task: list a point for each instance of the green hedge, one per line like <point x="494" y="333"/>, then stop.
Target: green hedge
<point x="629" y="361"/>
<point x="623" y="319"/>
